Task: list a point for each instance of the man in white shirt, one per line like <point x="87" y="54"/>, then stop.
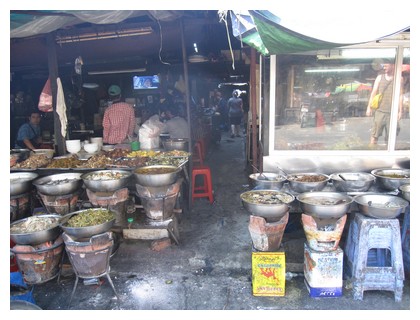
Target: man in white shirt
<point x="175" y="126"/>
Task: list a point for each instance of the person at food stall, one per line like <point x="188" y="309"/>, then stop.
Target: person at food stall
<point x="119" y="119"/>
<point x="382" y="115"/>
<point x="29" y="134"/>
<point x="175" y="125"/>
<point x="235" y="106"/>
<point x="222" y="108"/>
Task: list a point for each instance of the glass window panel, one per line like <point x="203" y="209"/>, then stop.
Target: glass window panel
<point x="403" y="128"/>
<point x="321" y="100"/>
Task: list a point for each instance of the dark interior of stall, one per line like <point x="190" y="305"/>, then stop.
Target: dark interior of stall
<point x="87" y="68"/>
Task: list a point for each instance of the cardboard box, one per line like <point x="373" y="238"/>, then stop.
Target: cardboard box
<point x="268" y="273"/>
<point x="323" y="272"/>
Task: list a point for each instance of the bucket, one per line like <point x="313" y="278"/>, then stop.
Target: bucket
<point x="19" y="208"/>
<point x="267" y="236"/>
<point x="135" y="145"/>
<point x="90" y="259"/>
<point x="60" y="204"/>
<point x="18" y="288"/>
<point x="41" y="263"/>
<point x="159" y="202"/>
<point x="323" y="234"/>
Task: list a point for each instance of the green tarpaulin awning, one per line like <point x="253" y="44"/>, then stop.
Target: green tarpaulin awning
<point x="270" y="34"/>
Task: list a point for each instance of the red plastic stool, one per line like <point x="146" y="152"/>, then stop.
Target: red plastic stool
<point x="205" y="190"/>
<point x="198" y="157"/>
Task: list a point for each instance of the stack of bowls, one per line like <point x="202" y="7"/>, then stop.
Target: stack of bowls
<point x="98" y="140"/>
<point x="73" y="146"/>
<point x="91" y="147"/>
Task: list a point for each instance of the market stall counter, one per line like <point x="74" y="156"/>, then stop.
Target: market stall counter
<point x="121" y="160"/>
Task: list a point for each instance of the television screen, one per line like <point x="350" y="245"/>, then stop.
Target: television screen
<point x="146" y="82"/>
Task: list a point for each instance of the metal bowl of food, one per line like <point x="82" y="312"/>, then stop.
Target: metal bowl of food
<point x="35" y="229"/>
<point x="157" y="175"/>
<point x="59" y="184"/>
<point x="49" y="153"/>
<point x="267" y="180"/>
<point x="352" y="181"/>
<point x="22" y="154"/>
<point x="325" y="205"/>
<point x="21" y="182"/>
<point x="269" y="204"/>
<point x="381" y="206"/>
<point x="405" y="191"/>
<point x="391" y="179"/>
<point x="305" y="182"/>
<point x="87" y="223"/>
<point x="175" y="144"/>
<point x="106" y="180"/>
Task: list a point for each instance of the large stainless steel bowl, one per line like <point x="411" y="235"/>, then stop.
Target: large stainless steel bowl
<point x="405" y="191"/>
<point x="84" y="232"/>
<point x="175" y="144"/>
<point x="36" y="237"/>
<point x="269" y="204"/>
<point x="157" y="175"/>
<point x="22" y="154"/>
<point x="325" y="205"/>
<point x="59" y="184"/>
<point x="381" y="206"/>
<point x="106" y="180"/>
<point x="304" y="182"/>
<point x="267" y="180"/>
<point x="21" y="182"/>
<point x="391" y="179"/>
<point x="352" y="181"/>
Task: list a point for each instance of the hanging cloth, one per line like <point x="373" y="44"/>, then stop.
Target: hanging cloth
<point x="61" y="108"/>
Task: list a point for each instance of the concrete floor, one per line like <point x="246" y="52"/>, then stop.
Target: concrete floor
<point x="210" y="268"/>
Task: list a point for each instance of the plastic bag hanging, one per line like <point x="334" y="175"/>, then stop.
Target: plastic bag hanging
<point x="45" y="98"/>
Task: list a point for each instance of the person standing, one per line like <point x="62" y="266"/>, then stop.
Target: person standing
<point x="119" y="119"/>
<point x="222" y="108"/>
<point x="382" y="115"/>
<point x="29" y="134"/>
<point x="235" y="106"/>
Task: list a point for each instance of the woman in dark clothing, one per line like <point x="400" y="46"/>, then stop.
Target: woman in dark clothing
<point x="29" y="134"/>
<point x="235" y="106"/>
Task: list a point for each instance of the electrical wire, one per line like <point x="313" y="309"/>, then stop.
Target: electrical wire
<point x="161" y="44"/>
<point x="222" y="18"/>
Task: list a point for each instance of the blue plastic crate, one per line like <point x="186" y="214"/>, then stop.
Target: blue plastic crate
<point x="19" y="290"/>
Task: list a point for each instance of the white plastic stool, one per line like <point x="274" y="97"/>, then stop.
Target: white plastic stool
<point x="368" y="233"/>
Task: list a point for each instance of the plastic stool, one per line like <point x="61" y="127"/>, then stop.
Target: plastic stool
<point x="405" y="241"/>
<point x="198" y="157"/>
<point x="205" y="190"/>
<point x="381" y="234"/>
